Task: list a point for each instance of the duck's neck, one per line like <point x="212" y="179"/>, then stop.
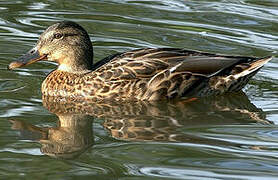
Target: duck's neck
<point x="73" y="69"/>
<point x="76" y="62"/>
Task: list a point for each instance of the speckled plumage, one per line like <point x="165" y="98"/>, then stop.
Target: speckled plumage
<point x="143" y="74"/>
<point x="150" y="74"/>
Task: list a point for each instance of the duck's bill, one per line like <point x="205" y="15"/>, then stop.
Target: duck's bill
<point x="32" y="56"/>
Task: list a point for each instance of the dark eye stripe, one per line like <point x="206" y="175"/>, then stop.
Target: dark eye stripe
<point x="70" y="34"/>
<point x="58" y="36"/>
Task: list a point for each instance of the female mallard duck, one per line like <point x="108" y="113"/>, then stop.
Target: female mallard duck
<point x="143" y="74"/>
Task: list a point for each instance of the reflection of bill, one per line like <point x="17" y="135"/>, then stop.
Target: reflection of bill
<point x="137" y="121"/>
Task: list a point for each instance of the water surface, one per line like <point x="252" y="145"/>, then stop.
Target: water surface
<point x="228" y="137"/>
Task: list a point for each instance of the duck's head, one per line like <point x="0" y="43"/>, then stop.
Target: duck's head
<point x="66" y="43"/>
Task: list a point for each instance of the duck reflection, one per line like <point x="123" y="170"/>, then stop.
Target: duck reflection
<point x="72" y="136"/>
<point x="136" y="121"/>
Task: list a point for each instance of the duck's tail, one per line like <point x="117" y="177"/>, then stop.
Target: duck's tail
<point x="253" y="67"/>
<point x="246" y="71"/>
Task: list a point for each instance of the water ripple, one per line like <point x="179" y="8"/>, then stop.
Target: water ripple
<point x="235" y="148"/>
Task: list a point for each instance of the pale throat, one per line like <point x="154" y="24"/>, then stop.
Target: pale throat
<point x="64" y="67"/>
<point x="73" y="65"/>
<point x="67" y="68"/>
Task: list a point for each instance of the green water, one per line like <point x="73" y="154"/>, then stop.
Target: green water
<point x="228" y="137"/>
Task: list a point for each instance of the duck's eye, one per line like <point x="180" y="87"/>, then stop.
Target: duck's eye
<point x="58" y="36"/>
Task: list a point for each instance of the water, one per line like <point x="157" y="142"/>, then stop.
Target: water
<point x="228" y="137"/>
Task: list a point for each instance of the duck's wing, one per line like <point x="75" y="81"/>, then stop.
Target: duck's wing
<point x="145" y="63"/>
<point x="168" y="72"/>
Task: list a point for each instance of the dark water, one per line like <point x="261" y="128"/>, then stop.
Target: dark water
<point x="228" y="137"/>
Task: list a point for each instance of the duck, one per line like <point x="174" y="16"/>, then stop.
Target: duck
<point x="147" y="74"/>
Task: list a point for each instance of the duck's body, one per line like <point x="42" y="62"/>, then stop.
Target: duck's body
<point x="155" y="74"/>
<point x="144" y="74"/>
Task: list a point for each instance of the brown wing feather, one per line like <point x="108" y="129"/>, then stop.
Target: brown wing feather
<point x="145" y="63"/>
<point x="152" y="74"/>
